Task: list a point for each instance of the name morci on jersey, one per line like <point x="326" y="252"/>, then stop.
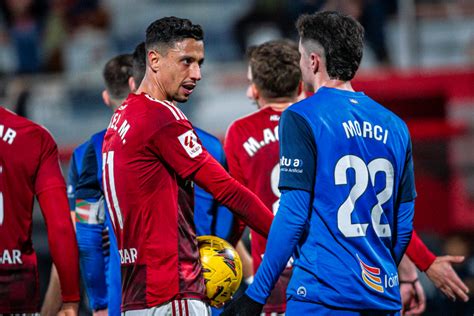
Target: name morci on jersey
<point x="356" y="158"/>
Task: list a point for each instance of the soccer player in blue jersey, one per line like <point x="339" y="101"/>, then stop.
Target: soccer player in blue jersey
<point x="347" y="183"/>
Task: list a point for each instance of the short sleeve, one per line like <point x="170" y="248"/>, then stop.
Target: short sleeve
<point x="407" y="183"/>
<point x="298" y="153"/>
<point x="49" y="172"/>
<point x="178" y="145"/>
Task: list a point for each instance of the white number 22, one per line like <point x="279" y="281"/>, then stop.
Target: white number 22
<point x="363" y="173"/>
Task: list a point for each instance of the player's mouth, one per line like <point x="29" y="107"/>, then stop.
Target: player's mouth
<point x="188" y="88"/>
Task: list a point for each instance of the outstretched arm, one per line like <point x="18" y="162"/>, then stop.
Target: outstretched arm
<point x="213" y="178"/>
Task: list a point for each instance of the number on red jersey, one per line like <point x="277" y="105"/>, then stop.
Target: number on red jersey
<point x="109" y="185"/>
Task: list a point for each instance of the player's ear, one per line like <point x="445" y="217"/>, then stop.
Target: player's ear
<point x="315" y="62"/>
<point x="106" y="98"/>
<point x="255" y="94"/>
<point x="131" y="84"/>
<point x="153" y="60"/>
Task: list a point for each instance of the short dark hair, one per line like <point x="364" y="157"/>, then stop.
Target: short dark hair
<point x="116" y="73"/>
<point x="165" y="32"/>
<point x="341" y="38"/>
<point x="275" y="68"/>
<point x="139" y="64"/>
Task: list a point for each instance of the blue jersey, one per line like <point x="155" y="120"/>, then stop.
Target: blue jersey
<point x="349" y="160"/>
<point x="75" y="166"/>
<point x="210" y="217"/>
<point x="103" y="285"/>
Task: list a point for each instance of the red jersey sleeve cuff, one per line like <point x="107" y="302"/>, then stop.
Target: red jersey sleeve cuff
<point x="417" y="251"/>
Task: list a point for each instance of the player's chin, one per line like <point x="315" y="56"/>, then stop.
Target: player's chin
<point x="181" y="98"/>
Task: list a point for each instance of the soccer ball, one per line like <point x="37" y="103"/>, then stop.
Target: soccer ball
<point x="222" y="268"/>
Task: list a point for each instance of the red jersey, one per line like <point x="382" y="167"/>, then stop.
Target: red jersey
<point x="252" y="151"/>
<point x="149" y="151"/>
<point x="29" y="165"/>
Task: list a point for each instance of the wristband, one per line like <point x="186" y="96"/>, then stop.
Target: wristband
<point x="409" y="282"/>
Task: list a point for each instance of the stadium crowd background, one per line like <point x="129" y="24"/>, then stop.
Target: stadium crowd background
<point x="419" y="61"/>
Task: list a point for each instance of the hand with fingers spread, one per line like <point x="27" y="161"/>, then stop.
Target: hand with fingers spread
<point x="442" y="274"/>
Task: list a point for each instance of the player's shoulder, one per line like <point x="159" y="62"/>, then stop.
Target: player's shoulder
<point x="98" y="137"/>
<point x="79" y="151"/>
<point x="33" y="131"/>
<point x="255" y="118"/>
<point x="161" y="110"/>
<point x="18" y="121"/>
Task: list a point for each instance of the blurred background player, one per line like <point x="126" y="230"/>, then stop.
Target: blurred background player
<point x="251" y="142"/>
<point x="325" y="167"/>
<point x="151" y="156"/>
<point x="29" y="167"/>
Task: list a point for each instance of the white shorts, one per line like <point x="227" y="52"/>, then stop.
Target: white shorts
<point x="187" y="307"/>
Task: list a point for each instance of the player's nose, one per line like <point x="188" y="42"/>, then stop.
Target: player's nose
<point x="195" y="72"/>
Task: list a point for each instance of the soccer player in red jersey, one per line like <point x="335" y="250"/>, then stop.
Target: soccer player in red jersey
<point x="151" y="156"/>
<point x="251" y="143"/>
<point x="29" y="167"/>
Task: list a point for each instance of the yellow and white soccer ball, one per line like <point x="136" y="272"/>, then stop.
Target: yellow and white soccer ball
<point x="222" y="268"/>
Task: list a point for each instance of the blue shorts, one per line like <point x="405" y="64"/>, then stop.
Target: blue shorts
<point x="298" y="308"/>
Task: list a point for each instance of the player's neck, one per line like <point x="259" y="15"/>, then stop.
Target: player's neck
<point x="152" y="88"/>
<point x="338" y="84"/>
<point x="276" y="105"/>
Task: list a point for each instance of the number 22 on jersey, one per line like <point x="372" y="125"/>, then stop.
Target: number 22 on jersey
<point x="363" y="173"/>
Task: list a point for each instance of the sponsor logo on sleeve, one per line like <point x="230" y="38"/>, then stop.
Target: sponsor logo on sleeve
<point x="291" y="165"/>
<point x="190" y="143"/>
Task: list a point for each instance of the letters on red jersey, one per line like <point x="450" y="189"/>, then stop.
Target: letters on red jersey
<point x="150" y="150"/>
<point x="251" y="147"/>
<point x="29" y="165"/>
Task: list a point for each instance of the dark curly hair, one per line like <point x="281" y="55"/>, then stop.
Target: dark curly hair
<point x="116" y="73"/>
<point x="275" y="68"/>
<point x="340" y="36"/>
<point x="139" y="63"/>
<point x="165" y="32"/>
